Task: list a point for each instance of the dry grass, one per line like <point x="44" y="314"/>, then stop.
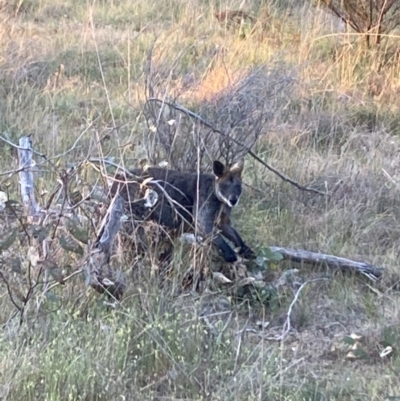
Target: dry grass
<point x="72" y="71"/>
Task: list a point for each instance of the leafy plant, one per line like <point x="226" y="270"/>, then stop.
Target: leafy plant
<point x="267" y="258"/>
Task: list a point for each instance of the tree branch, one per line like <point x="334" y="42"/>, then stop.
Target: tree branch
<point x="250" y="152"/>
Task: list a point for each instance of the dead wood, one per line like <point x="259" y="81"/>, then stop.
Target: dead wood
<point x="103" y="278"/>
<point x="26" y="176"/>
<point x="99" y="273"/>
<point x="334" y="262"/>
<point x="243" y="110"/>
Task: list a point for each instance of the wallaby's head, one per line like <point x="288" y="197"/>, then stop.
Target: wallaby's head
<point x="228" y="182"/>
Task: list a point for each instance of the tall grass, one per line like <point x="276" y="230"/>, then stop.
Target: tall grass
<point x="73" y="72"/>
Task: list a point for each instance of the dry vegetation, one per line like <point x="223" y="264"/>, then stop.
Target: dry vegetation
<point x="73" y="74"/>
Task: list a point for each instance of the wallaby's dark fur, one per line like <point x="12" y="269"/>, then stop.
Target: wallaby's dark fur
<point x="204" y="199"/>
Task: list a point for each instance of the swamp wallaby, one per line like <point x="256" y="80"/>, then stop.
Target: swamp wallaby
<point x="185" y="198"/>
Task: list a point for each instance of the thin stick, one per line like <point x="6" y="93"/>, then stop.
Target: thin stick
<point x="250" y="152"/>
<point x="64" y="280"/>
<point x="287" y="326"/>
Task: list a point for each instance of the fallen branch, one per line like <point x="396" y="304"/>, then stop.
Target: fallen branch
<point x="334" y="262"/>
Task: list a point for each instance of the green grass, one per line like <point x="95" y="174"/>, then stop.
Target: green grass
<point x="72" y="73"/>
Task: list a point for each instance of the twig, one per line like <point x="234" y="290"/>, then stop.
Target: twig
<point x="101" y="160"/>
<point x="76" y="141"/>
<point x="18" y="170"/>
<point x="64" y="280"/>
<point x="10" y="293"/>
<point x="250" y="152"/>
<point x="282" y="372"/>
<point x="23" y="148"/>
<point x="287" y="326"/>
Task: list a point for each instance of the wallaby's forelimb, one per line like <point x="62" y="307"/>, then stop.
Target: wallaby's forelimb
<point x="232" y="235"/>
<point x="205" y="224"/>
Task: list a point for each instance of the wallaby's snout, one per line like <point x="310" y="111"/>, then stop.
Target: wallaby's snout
<point x="233" y="199"/>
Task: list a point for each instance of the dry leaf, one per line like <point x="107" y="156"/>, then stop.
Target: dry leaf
<point x="146" y="181"/>
<point x="350" y="355"/>
<point x="107" y="282"/>
<point x="151" y="197"/>
<point x="355" y="337"/>
<point x="188" y="238"/>
<point x="220" y="278"/>
<point x="246" y="281"/>
<point x="33" y="255"/>
<point x="144" y="164"/>
<point x="386" y="351"/>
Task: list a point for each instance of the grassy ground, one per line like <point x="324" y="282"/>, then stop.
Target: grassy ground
<point x="71" y="71"/>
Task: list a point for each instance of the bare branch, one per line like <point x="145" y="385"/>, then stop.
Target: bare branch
<point x="10" y="293"/>
<point x="64" y="280"/>
<point x="249" y="151"/>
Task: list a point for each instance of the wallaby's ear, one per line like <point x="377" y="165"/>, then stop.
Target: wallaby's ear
<point x="218" y="168"/>
<point x="237" y="168"/>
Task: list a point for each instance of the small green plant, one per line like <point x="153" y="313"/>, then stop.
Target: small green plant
<point x="257" y="289"/>
<point x="266" y="259"/>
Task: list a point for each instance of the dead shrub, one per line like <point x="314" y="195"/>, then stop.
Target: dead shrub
<point x="236" y="117"/>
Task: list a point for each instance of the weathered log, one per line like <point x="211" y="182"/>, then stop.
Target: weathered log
<point x="334" y="262"/>
<point x="103" y="278"/>
<point x="26" y="176"/>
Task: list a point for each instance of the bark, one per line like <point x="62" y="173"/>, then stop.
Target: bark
<point x="334" y="262"/>
<point x="103" y="278"/>
<point x="26" y="176"/>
